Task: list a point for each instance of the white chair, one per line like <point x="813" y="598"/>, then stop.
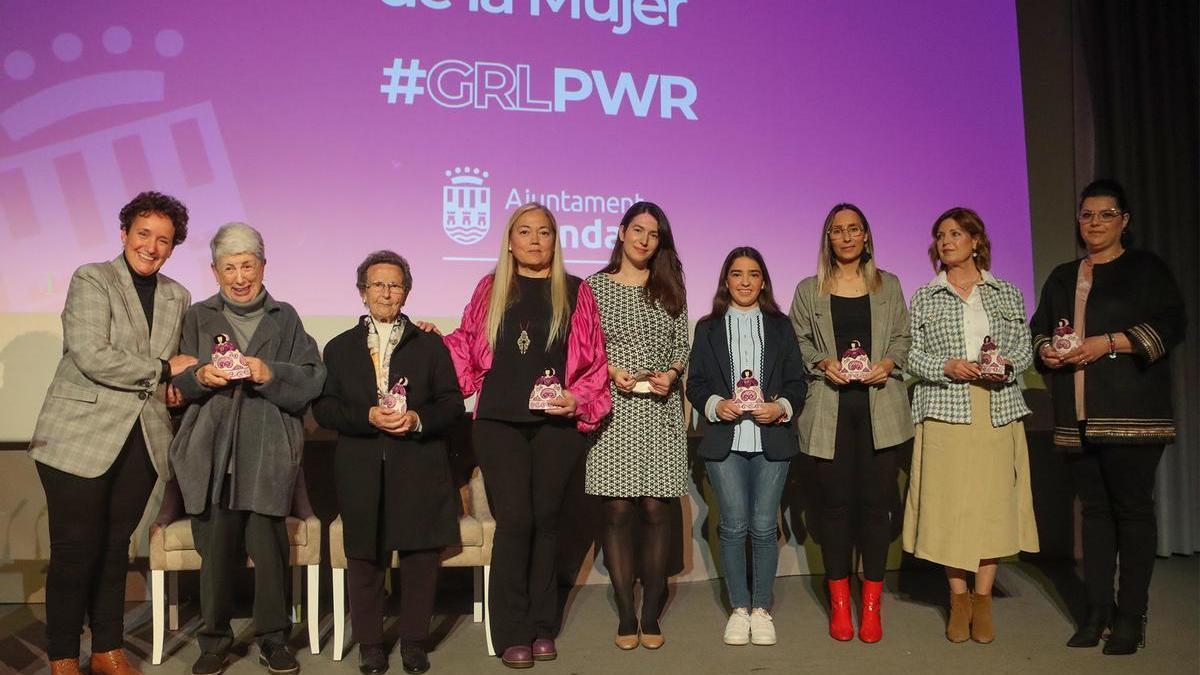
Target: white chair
<point x="477" y="530"/>
<point x="173" y="550"/>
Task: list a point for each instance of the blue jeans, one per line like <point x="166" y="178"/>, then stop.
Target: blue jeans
<point x="748" y="488"/>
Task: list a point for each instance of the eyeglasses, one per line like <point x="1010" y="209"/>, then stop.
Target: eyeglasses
<point x="853" y="230"/>
<point x="1106" y="216"/>
<point x="379" y="286"/>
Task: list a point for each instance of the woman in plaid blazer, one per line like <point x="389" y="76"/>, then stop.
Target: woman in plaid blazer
<point x="102" y="435"/>
<point x="852" y="429"/>
<point x="969" y="497"/>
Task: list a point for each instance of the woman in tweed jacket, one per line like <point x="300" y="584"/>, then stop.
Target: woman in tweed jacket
<point x="852" y="429"/>
<point x="969" y="497"/>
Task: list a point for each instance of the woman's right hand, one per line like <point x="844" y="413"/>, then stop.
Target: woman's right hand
<point x="621" y="379"/>
<point x="209" y="376"/>
<point x="962" y="370"/>
<point x="727" y="410"/>
<point x="1050" y="357"/>
<point x="180" y="363"/>
<point x="833" y="371"/>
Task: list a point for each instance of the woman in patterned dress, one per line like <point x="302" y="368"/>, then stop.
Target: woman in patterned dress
<point x="969" y="496"/>
<point x="638" y="461"/>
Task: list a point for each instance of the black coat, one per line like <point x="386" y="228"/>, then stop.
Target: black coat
<point x="405" y="481"/>
<point x="783" y="376"/>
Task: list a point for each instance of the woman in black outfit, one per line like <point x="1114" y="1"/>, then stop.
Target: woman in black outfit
<point x="392" y="470"/>
<point x="1112" y="404"/>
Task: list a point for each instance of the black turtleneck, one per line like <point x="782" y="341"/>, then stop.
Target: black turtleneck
<point x="145" y="287"/>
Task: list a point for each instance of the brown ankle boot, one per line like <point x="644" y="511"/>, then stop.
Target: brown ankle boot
<point x="982" y="630"/>
<point x="958" y="629"/>
<point x="111" y="663"/>
<point x="65" y="667"/>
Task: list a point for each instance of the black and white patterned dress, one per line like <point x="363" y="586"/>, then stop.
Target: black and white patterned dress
<point x="640" y="450"/>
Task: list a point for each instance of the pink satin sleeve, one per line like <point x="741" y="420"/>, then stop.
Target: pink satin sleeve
<point x="465" y="342"/>
<point x="587" y="363"/>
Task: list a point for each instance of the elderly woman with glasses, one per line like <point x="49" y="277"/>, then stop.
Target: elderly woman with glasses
<point x="237" y="453"/>
<point x="391" y="466"/>
<point x="1112" y="404"/>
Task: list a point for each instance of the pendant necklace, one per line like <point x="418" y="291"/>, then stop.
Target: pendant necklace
<point x="523" y="339"/>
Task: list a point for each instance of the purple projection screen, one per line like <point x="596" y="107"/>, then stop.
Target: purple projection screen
<point x="338" y="128"/>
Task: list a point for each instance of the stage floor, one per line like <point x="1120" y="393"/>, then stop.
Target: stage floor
<point x="1031" y="609"/>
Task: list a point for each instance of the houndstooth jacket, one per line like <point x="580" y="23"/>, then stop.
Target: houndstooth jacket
<point x="936" y="313"/>
<point x="109" y="372"/>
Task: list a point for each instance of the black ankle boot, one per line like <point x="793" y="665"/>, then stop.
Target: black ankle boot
<point x="1128" y="633"/>
<point x="1091" y="630"/>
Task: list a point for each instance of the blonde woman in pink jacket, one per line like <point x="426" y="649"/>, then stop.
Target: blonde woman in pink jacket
<point x="529" y="325"/>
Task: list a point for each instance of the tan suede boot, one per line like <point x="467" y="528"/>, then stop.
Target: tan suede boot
<point x="982" y="630"/>
<point x="958" y="629"/>
<point x="65" y="667"/>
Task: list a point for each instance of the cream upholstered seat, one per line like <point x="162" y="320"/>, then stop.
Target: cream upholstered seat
<point x="477" y="530"/>
<point x="173" y="550"/>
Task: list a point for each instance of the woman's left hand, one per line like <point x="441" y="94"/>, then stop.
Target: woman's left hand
<point x="427" y="327"/>
<point x="174" y="397"/>
<point x="1094" y="347"/>
<point x="660" y="382"/>
<point x="260" y="372"/>
<point x="879" y="372"/>
<point x="767" y="413"/>
<point x="563" y="406"/>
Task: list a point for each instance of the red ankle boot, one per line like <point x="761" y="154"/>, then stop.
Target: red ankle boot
<point x="841" y="627"/>
<point x="870" y="627"/>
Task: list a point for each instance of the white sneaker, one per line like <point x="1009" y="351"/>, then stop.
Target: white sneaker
<point x="762" y="627"/>
<point x="737" y="630"/>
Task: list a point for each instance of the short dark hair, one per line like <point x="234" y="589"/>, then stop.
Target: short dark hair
<point x="972" y="224"/>
<point x="384" y="257"/>
<point x="1106" y="187"/>
<point x="150" y="202"/>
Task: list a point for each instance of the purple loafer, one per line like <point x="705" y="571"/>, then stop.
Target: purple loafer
<point x="543" y="650"/>
<point x="518" y="656"/>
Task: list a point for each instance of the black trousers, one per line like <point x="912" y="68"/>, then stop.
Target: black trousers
<point x="526" y="468"/>
<point x="223" y="539"/>
<point x="857" y="492"/>
<point x="418" y="588"/>
<point x="1115" y="484"/>
<point x="91" y="521"/>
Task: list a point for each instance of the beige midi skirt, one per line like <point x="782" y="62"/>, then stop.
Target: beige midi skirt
<point x="969" y="496"/>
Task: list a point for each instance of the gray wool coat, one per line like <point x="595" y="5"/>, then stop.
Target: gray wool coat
<point x="259" y="427"/>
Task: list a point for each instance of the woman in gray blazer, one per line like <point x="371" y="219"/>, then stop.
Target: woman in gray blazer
<point x="238" y="449"/>
<point x="102" y="435"/>
<point x="851" y="427"/>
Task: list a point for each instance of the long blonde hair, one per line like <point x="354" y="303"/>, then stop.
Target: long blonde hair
<point x="866" y="261"/>
<point x="504" y="282"/>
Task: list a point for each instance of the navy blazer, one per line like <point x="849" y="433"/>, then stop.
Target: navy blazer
<point x="783" y="376"/>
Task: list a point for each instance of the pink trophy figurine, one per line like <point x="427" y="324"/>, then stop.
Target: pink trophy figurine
<point x="990" y="361"/>
<point x="545" y="388"/>
<point x="1065" y="338"/>
<point x="747" y="394"/>
<point x="228" y="359"/>
<point x="395" y="400"/>
<point x="855" y="362"/>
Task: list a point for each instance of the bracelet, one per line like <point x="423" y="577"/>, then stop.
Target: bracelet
<point x="1112" y="346"/>
<point x="678" y="372"/>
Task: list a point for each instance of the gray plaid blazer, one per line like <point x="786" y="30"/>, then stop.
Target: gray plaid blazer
<point x="891" y="422"/>
<point x="108" y="375"/>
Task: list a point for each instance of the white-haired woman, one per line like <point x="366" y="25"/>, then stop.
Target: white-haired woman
<point x="237" y="453"/>
<point x="527" y="317"/>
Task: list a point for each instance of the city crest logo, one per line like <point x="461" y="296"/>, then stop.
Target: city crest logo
<point x="466" y="205"/>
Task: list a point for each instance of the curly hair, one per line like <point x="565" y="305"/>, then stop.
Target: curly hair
<point x="150" y="202"/>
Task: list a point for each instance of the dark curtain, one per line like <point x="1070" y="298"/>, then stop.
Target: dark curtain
<point x="1143" y="73"/>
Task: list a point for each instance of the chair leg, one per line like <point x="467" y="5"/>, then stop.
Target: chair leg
<point x="173" y="600"/>
<point x="297" y="596"/>
<point x="156" y="604"/>
<point x="314" y="608"/>
<point x="487" y="619"/>
<point x="339" y="612"/>
<point x="478" y="594"/>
